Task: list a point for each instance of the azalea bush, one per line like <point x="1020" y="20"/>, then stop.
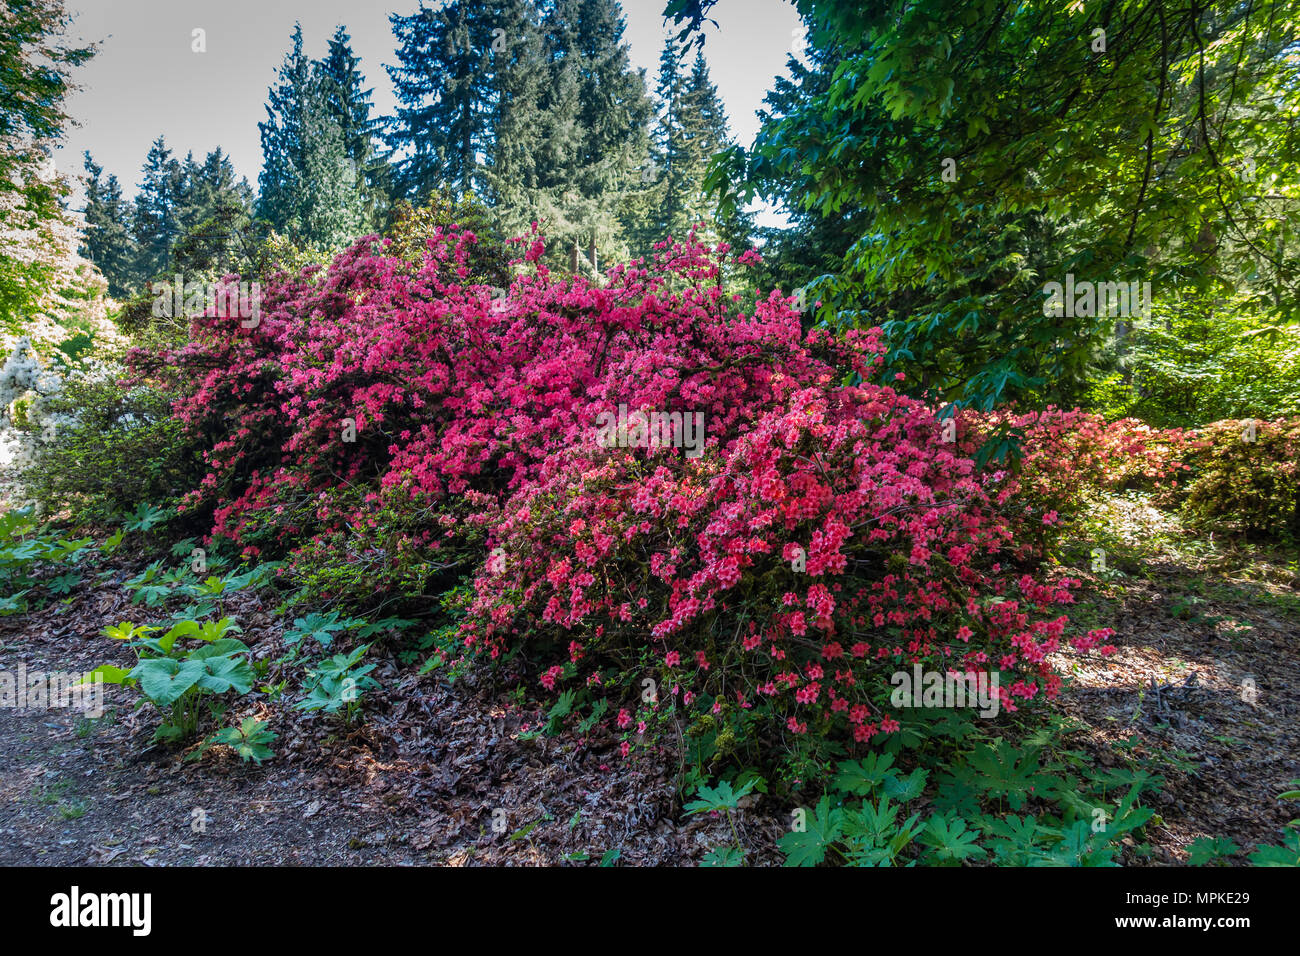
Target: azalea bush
<point x="771" y="588"/>
<point x="416" y="384"/>
<point x="1061" y="456"/>
<point x="394" y="425"/>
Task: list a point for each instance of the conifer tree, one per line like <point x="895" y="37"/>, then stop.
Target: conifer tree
<point x="155" y="224"/>
<point x="442" y="131"/>
<point x="348" y="102"/>
<point x="107" y="242"/>
<point x="215" y="210"/>
<point x="312" y="184"/>
<point x="283" y="137"/>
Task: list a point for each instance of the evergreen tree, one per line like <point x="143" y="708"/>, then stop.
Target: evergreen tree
<point x="332" y="210"/>
<point x="690" y="130"/>
<point x="513" y="167"/>
<point x="215" y="210"/>
<point x="155" y="224"/>
<point x="312" y="183"/>
<point x="348" y="103"/>
<point x="283" y="137"/>
<point x="669" y="151"/>
<point x="595" y="141"/>
<point x="443" y="128"/>
<point x="108" y="241"/>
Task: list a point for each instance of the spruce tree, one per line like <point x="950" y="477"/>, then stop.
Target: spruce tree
<point x="348" y="102"/>
<point x="595" y="111"/>
<point x="215" y="212"/>
<point x="312" y="184"/>
<point x="690" y="130"/>
<point x="442" y="131"/>
<point x="155" y="224"/>
<point x="514" y="167"/>
<point x="108" y="241"/>
<point x="283" y="140"/>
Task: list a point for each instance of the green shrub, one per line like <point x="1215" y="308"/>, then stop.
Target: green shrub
<point x="1245" y="473"/>
<point x="34" y="559"/>
<point x="112" y="449"/>
<point x="1201" y="360"/>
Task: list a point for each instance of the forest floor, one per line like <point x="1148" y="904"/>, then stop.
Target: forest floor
<point x="422" y="780"/>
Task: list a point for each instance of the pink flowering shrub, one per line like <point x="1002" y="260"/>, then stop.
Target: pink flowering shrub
<point x="787" y="575"/>
<point x="405" y="419"/>
<point x="1065" y="454"/>
<point x="458" y="393"/>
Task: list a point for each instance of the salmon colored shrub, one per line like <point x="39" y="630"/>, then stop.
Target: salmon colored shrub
<point x="778" y="581"/>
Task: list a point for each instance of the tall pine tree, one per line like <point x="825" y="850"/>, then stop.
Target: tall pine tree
<point x="348" y="103"/>
<point x="596" y="110"/>
<point x="215" y="210"/>
<point x="156" y="224"/>
<point x="691" y="127"/>
<point x="443" y="130"/>
<point x="284" y="138"/>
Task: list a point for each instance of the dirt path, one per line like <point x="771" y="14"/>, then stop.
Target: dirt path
<point x="418" y="783"/>
<point x="1206" y="676"/>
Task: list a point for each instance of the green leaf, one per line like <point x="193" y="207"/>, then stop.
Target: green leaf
<point x="226" y="673"/>
<point x="822" y="828"/>
<point x="724" y="856"/>
<point x="1206" y="850"/>
<point x="164" y="680"/>
<point x="949" y="840"/>
<point x="1288" y="854"/>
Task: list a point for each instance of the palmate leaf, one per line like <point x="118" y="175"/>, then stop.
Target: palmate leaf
<point x="64" y="583"/>
<point x="808" y="847"/>
<point x="145" y="517"/>
<point x="319" y="627"/>
<point x="223" y="647"/>
<point x="215" y="630"/>
<point x="1006" y="772"/>
<point x="108" y="674"/>
<point x="724" y="856"/>
<point x="906" y="788"/>
<point x="226" y="673"/>
<point x="1288" y="854"/>
<point x="384" y="624"/>
<point x="249" y="740"/>
<point x="862" y="777"/>
<point x="949" y="841"/>
<point x="957" y="793"/>
<point x="1079" y="846"/>
<point x="1206" y="850"/>
<point x="873" y="823"/>
<point x="721" y="797"/>
<point x="1015" y="839"/>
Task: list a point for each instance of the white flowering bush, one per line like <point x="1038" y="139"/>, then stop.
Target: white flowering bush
<point x="26" y="420"/>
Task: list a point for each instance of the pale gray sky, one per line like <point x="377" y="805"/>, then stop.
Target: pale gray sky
<point x="146" y="79"/>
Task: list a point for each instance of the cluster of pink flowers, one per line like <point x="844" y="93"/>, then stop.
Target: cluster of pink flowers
<point x="826" y="536"/>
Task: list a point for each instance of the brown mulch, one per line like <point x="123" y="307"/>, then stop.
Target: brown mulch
<point x="1209" y="684"/>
